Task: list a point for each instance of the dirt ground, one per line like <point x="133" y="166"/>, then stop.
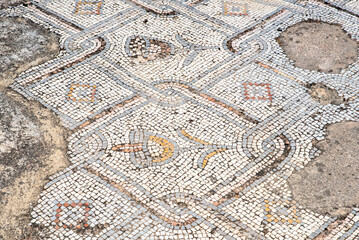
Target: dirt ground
<point x="319" y="46"/>
<point x="325" y="95"/>
<point x="329" y="184"/>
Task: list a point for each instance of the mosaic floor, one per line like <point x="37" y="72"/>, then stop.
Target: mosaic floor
<point x="187" y="118"/>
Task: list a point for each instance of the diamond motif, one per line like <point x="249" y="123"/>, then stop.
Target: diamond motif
<point x="235" y="9"/>
<point x="88" y="7"/>
<point x="81" y="92"/>
<point x="257" y="91"/>
<point x="72" y="215"/>
<point x="281" y="211"/>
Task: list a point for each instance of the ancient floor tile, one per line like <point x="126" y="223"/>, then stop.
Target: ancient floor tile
<point x="188" y="117"/>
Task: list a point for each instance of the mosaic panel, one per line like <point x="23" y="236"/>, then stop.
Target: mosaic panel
<point x="187" y="118"/>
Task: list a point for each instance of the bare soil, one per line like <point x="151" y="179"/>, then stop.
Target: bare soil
<point x="319" y="46"/>
<point x="330" y="183"/>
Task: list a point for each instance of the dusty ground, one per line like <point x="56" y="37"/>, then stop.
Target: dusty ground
<point x="319" y="46"/>
<point x="329" y="184"/>
<point x="325" y="95"/>
<point x="32" y="141"/>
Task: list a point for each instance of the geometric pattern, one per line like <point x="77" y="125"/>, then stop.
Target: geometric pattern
<point x="257" y="91"/>
<point x="281" y="211"/>
<point x="81" y="93"/>
<point x="176" y="133"/>
<point x="88" y="7"/>
<point x="79" y="212"/>
<point x="235" y="9"/>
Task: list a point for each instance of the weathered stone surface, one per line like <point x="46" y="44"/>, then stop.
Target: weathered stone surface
<point x="319" y="46"/>
<point x="32" y="147"/>
<point x="329" y="184"/>
<point x="32" y="140"/>
<point x="23" y="44"/>
<point x="7" y="3"/>
<point x="21" y="143"/>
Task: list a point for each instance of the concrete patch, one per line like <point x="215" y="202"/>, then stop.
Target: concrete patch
<point x="329" y="184"/>
<point x="319" y="46"/>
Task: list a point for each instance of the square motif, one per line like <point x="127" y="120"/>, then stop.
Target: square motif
<point x="257" y="91"/>
<point x="282" y="211"/>
<point x="82" y="92"/>
<point x="235" y="9"/>
<point x="72" y="214"/>
<point x="88" y="7"/>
